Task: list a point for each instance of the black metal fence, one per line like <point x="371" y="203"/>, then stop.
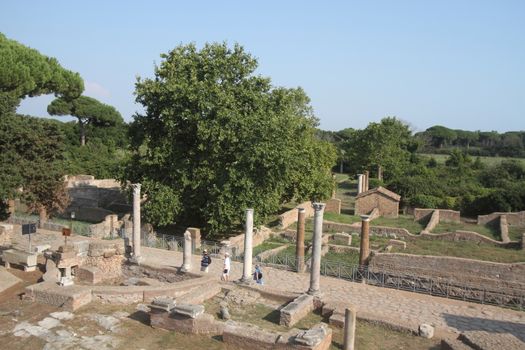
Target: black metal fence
<point x="50" y="225"/>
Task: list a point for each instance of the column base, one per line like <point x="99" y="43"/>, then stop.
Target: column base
<point x="136" y="260"/>
<point x="245" y="281"/>
<point x="185" y="268"/>
<point x="66" y="281"/>
<point x="314" y="293"/>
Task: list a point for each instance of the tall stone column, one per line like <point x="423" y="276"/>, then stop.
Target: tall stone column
<point x="248" y="248"/>
<point x="364" y="250"/>
<point x="317" y="241"/>
<point x="349" y="335"/>
<point x="137" y="258"/>
<point x="367" y="178"/>
<point x="359" y="183"/>
<point x="299" y="251"/>
<point x="186" y="255"/>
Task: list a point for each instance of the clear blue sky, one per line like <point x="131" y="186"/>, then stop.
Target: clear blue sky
<point x="456" y="63"/>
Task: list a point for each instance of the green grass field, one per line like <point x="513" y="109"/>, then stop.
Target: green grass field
<point x="441" y="158"/>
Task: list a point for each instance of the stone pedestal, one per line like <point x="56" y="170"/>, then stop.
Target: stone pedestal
<point x="300" y="239"/>
<point x="315" y="268"/>
<point x="364" y="250"/>
<point x="248" y="248"/>
<point x="349" y="332"/>
<point x="27" y="260"/>
<point x="186" y="256"/>
<point x="136" y="258"/>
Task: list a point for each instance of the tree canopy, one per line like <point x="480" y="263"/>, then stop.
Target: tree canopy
<point x="25" y="72"/>
<point x="216" y="139"/>
<point x="87" y="110"/>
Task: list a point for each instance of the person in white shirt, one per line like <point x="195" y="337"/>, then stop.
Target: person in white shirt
<point x="226" y="267"/>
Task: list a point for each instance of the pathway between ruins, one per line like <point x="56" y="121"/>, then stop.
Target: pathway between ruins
<point x="405" y="309"/>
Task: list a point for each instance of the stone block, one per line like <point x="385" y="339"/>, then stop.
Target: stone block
<point x="426" y="331"/>
<point x="397" y="243"/>
<point x="70" y="297"/>
<point x="89" y="274"/>
<point x="296" y="310"/>
<point x="163" y="303"/>
<point x="69" y="262"/>
<point x="52" y="273"/>
<point x="81" y="247"/>
<point x="40" y="248"/>
<point x="189" y="310"/>
<point x="314" y="336"/>
<point x="17" y="257"/>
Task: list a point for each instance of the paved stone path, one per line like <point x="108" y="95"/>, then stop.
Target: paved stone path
<point x="406" y="309"/>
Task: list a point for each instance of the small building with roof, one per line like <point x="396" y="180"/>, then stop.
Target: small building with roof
<point x="386" y="202"/>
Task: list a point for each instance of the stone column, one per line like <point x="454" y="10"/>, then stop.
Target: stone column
<point x="137" y="258"/>
<point x="367" y="178"/>
<point x="186" y="255"/>
<point x="349" y="335"/>
<point x="359" y="183"/>
<point x="364" y="250"/>
<point x="248" y="248"/>
<point x="299" y="252"/>
<point x="315" y="268"/>
<point x="380" y="172"/>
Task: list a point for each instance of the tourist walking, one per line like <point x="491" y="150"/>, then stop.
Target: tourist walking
<point x="205" y="261"/>
<point x="226" y="267"/>
<point x="257" y="275"/>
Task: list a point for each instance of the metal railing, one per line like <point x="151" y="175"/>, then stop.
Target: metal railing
<point x="50" y="225"/>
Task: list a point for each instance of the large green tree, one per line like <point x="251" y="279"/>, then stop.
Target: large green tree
<point x="25" y="72"/>
<point x="216" y="139"/>
<point x="88" y="111"/>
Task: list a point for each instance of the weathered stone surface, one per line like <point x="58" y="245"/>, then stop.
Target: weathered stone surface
<point x="202" y="324"/>
<point x="225" y="313"/>
<point x="89" y="274"/>
<point x="189" y="310"/>
<point x="7" y="280"/>
<point x="52" y="273"/>
<point x="397" y="243"/>
<point x="426" y="331"/>
<point x="72" y="297"/>
<point x="312" y="336"/>
<point x="164" y="303"/>
<point x="110" y="323"/>
<point x="17" y="257"/>
<point x="296" y="310"/>
<point x="49" y="322"/>
<point x="345" y="237"/>
<point x="62" y="315"/>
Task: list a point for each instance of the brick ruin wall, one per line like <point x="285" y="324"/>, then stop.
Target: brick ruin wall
<point x="462" y="271"/>
<point x="513" y="219"/>
<point x="290" y="217"/>
<point x="445" y="215"/>
<point x="333" y="206"/>
<point x="388" y="207"/>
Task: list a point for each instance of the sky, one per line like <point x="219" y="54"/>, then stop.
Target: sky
<point x="457" y="63"/>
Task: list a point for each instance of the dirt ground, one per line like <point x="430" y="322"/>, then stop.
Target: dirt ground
<point x="99" y="326"/>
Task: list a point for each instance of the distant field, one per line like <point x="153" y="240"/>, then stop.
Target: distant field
<point x="441" y="158"/>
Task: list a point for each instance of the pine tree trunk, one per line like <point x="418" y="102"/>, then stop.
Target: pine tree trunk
<point x="82" y="132"/>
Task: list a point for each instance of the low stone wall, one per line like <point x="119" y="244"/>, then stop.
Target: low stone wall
<point x="433" y="222"/>
<point x="296" y="310"/>
<point x="342" y="248"/>
<point x="374" y="214"/>
<point x="445" y="215"/>
<point x="514" y="219"/>
<point x="290" y="217"/>
<point x="202" y="324"/>
<point x="463" y="271"/>
<point x="465" y="236"/>
<point x="267" y="253"/>
<point x="333" y="206"/>
<point x="236" y="243"/>
<point x="107" y="228"/>
<point x="393" y="232"/>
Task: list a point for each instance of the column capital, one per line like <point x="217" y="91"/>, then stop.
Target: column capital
<point x="318" y="206"/>
<point x="136" y="187"/>
<point x="365" y="217"/>
<point x="249" y="210"/>
<point x="301" y="210"/>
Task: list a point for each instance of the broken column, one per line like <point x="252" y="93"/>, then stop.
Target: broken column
<point x="137" y="258"/>
<point x="359" y="183"/>
<point x="248" y="249"/>
<point x="349" y="334"/>
<point x="315" y="268"/>
<point x="364" y="250"/>
<point x="186" y="255"/>
<point x="299" y="251"/>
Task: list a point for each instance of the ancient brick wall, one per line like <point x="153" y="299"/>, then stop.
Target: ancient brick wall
<point x="514" y="219"/>
<point x="387" y="206"/>
<point x="445" y="215"/>
<point x="333" y="206"/>
<point x="460" y="270"/>
<point x="290" y="217"/>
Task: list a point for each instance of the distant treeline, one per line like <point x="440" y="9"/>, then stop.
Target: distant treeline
<point x="439" y="139"/>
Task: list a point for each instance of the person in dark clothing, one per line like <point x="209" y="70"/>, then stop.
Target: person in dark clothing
<point x="205" y="261"/>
